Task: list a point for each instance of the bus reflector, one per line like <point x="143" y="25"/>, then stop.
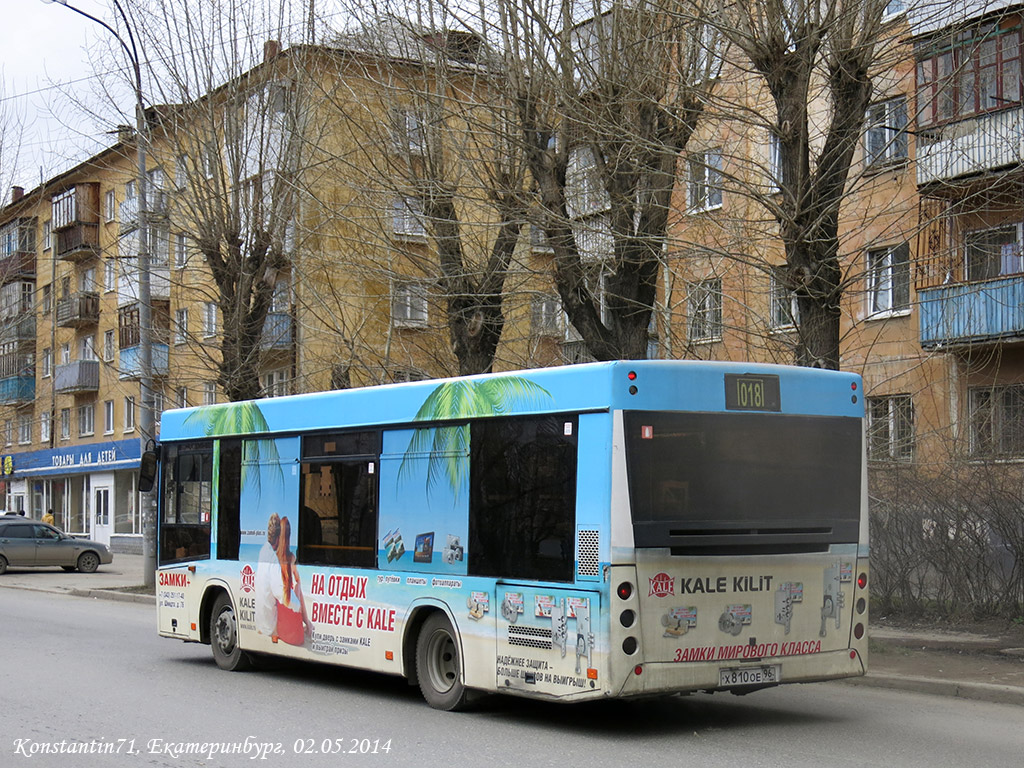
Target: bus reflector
<point x="631" y="375"/>
<point x="853" y="655"/>
<point x="637" y="669"/>
<point x="389" y="655"/>
<point x="858" y="631"/>
<point x="591" y="674"/>
<point x="193" y="626"/>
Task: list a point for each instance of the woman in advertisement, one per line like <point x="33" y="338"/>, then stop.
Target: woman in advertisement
<point x="293" y="625"/>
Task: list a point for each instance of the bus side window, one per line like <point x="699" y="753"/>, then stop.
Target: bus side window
<point x="185" y="518"/>
<point x="338" y="500"/>
<point x="522" y="507"/>
<point x="229" y="499"/>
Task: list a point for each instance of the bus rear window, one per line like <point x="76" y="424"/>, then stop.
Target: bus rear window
<point x="737" y="483"/>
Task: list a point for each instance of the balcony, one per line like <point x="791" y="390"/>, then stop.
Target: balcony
<point x="128" y="285"/>
<point x="78" y="310"/>
<point x="77" y="376"/>
<point x="964" y="313"/>
<point x="16" y="390"/>
<point x="78" y="243"/>
<point x="130" y="367"/>
<point x="18" y="329"/>
<point x="972" y="146"/>
<point x="157" y="201"/>
<point x="20" y="265"/>
<point x="277" y="332"/>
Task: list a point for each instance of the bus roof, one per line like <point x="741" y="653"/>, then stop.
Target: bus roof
<point x="655" y="384"/>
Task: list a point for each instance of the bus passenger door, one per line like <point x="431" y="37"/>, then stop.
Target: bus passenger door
<point x="546" y="639"/>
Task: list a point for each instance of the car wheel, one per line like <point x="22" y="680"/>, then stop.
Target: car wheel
<point x="88" y="562"/>
<point x="224" y="636"/>
<point x="3" y="564"/>
<point x="438" y="664"/>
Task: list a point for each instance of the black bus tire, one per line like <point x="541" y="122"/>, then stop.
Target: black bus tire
<point x="224" y="636"/>
<point x="439" y="664"/>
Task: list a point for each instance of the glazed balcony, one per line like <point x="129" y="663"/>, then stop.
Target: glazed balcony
<point x="19" y="265"/>
<point x="128" y="211"/>
<point x="18" y="329"/>
<point x="77" y="376"/>
<point x="277" y="332"/>
<point x="130" y="364"/>
<point x="17" y="390"/>
<point x="970" y="313"/>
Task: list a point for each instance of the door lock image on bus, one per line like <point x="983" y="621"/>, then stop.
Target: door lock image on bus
<point x="834" y="599"/>
<point x="351" y="527"/>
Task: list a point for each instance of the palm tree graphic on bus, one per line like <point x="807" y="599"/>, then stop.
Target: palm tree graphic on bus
<point x="447" y="448"/>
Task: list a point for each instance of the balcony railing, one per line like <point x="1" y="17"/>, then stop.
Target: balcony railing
<point x="78" y="310"/>
<point x="987" y="311"/>
<point x="277" y="332"/>
<point x="130" y="367"/>
<point x="18" y="329"/>
<point x="78" y="242"/>
<point x="971" y="146"/>
<point x="20" y="265"/>
<point x="77" y="376"/>
<point x="17" y="389"/>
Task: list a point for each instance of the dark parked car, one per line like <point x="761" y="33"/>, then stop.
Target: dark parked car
<point x="28" y="542"/>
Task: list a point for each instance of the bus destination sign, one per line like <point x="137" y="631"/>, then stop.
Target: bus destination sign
<point x="752" y="392"/>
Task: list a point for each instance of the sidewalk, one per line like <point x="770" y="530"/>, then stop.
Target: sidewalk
<point x="985" y="667"/>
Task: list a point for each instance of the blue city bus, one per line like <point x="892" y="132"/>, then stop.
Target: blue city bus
<point x="589" y="531"/>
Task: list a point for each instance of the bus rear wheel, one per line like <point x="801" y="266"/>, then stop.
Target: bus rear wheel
<point x="224" y="636"/>
<point x="439" y="664"/>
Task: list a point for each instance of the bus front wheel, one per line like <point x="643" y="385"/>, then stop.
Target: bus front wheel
<point x="224" y="636"/>
<point x="438" y="664"/>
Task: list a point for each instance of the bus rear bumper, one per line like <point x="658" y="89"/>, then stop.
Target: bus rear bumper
<point x="669" y="677"/>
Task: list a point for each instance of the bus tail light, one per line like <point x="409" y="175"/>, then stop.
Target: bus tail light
<point x="862" y="580"/>
<point x="858" y="631"/>
<point x="629" y="646"/>
<point x="625" y="590"/>
<point x="591" y="673"/>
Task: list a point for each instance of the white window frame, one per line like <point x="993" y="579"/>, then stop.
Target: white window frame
<point x="276" y="383"/>
<point x="181" y="397"/>
<point x="784" y="309"/>
<point x="407" y="218"/>
<point x="180" y="250"/>
<point x="47" y="363"/>
<point x="888" y="281"/>
<point x="87" y="348"/>
<point x="24" y="428"/>
<point x="704" y="311"/>
<point x="65" y="423"/>
<point x="86" y="419"/>
<point x="885" y="135"/>
<point x="109" y="275"/>
<point x="704" y="181"/>
<point x="129" y="413"/>
<point x="109" y="345"/>
<point x="181" y="325"/>
<point x="890" y="427"/>
<point x="995" y="416"/>
<point x="108" y="417"/>
<point x="44" y="427"/>
<point x="209" y="319"/>
<point x="109" y="205"/>
<point x="408" y="135"/>
<point x="409" y="304"/>
<point x="546" y="316"/>
<point x="209" y="393"/>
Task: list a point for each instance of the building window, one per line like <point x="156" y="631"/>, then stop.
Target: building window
<point x="47" y="299"/>
<point x="890" y="428"/>
<point x="8" y="432"/>
<point x="974" y="72"/>
<point x="774" y="162"/>
<point x="181" y="397"/>
<point x="407" y="217"/>
<point x="584" y="192"/>
<point x="704" y="309"/>
<point x="275" y="383"/>
<point x="87" y="348"/>
<point x="997" y="421"/>
<point x="47" y="363"/>
<point x="209" y="393"/>
<point x="86" y="419"/>
<point x="180" y="250"/>
<point x="704" y="181"/>
<point x="109" y="275"/>
<point x="546" y="319"/>
<point x="409" y="305"/>
<point x="47" y="235"/>
<point x="108" y="417"/>
<point x="109" y="206"/>
<point x="44" y="427"/>
<point x="785" y="310"/>
<point x="209" y="319"/>
<point x="885" y="138"/>
<point x="109" y="345"/>
<point x="894" y="8"/>
<point x="24" y="428"/>
<point x="889" y="280"/>
<point x="180" y="171"/>
<point x="181" y="326"/>
<point x="129" y="414"/>
<point x="407" y="134"/>
<point x="65" y="423"/>
<point x="994" y="252"/>
<point x="65" y="353"/>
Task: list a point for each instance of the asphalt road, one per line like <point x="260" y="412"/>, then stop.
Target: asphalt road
<point x="82" y="674"/>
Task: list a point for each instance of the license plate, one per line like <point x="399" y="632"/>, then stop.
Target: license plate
<point x="732" y="677"/>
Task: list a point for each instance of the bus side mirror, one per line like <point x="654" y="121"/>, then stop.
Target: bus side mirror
<point x="147" y="471"/>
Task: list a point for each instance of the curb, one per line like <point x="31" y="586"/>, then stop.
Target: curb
<point x="113" y="594"/>
<point x="994" y="694"/>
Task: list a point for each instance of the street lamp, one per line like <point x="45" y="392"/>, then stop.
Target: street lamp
<point x="146" y="415"/>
